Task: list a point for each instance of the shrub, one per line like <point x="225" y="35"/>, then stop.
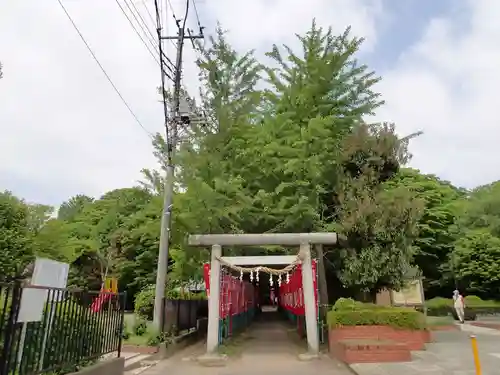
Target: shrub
<point x="155" y="338"/>
<point x="140" y="326"/>
<point x="145" y="299"/>
<point x="439" y="306"/>
<point x="144" y="302"/>
<point x="343" y="304"/>
<point x="360" y="314"/>
<point x="346" y="304"/>
<point x="475" y="301"/>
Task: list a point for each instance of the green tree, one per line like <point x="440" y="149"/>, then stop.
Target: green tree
<point x="213" y="163"/>
<point x="15" y="239"/>
<point x="477" y="263"/>
<point x="437" y="227"/>
<point x="377" y="223"/>
<point x="73" y="207"/>
<point x="38" y="215"/>
<point x="481" y="209"/>
<point x="98" y="229"/>
<point x="473" y="260"/>
<point x="54" y="241"/>
<point x="320" y="166"/>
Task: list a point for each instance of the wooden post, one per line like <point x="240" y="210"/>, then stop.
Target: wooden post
<point x="322" y="284"/>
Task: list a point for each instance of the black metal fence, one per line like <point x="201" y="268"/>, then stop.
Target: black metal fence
<point x="183" y="315"/>
<point x="46" y="330"/>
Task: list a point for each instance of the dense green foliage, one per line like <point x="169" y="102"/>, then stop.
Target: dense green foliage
<point x="284" y="147"/>
<point x="347" y="312"/>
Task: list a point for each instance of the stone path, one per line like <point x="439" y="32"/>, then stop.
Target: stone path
<point x="449" y="354"/>
<point x="267" y="348"/>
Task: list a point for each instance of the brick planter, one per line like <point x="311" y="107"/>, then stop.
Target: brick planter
<point x="413" y="339"/>
<point x="368" y="351"/>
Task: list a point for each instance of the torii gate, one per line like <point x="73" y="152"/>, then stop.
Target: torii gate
<point x="304" y="240"/>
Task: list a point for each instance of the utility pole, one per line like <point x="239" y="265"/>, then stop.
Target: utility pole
<point x="172" y="138"/>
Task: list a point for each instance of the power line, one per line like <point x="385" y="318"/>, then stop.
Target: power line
<point x="173" y="13"/>
<point x="163" y="92"/>
<point x="149" y="13"/>
<point x="196" y="12"/>
<point x="103" y="70"/>
<point x="152" y="40"/>
<point x="137" y="32"/>
<point x="146" y="30"/>
<point x="169" y="67"/>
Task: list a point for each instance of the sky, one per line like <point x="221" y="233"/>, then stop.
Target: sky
<point x="65" y="130"/>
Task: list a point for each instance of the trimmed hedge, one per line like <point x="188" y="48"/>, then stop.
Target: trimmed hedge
<point x="145" y="300"/>
<point x="444" y="306"/>
<point x="347" y="312"/>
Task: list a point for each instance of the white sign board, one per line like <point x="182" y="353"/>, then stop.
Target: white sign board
<point x="411" y="295"/>
<point x="47" y="273"/>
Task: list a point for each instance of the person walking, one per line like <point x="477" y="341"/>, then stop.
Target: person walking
<point x="459" y="305"/>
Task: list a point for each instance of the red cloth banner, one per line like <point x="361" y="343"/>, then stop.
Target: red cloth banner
<point x="206" y="277"/>
<point x="292" y="294"/>
<point x="235" y="296"/>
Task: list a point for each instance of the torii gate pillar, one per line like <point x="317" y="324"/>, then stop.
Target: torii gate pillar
<point x="309" y="302"/>
<point x="213" y="301"/>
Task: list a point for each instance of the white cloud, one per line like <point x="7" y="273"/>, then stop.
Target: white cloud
<point x="64" y="129"/>
<point x="446" y="85"/>
<point x="62" y="123"/>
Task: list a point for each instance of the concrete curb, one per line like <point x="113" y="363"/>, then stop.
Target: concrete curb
<point x="163" y="351"/>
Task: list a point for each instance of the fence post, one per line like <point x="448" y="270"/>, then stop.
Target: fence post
<point x="122" y="317"/>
